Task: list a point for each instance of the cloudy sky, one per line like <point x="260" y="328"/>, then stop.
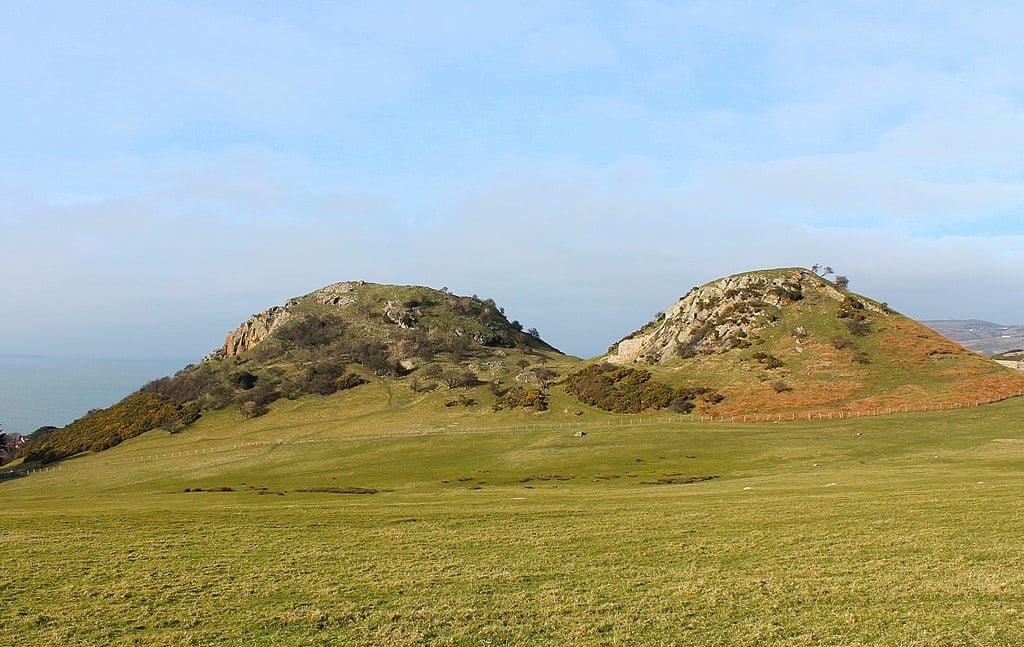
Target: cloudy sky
<point x="166" y="169"/>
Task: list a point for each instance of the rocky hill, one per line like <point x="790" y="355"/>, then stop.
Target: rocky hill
<point x="334" y="339"/>
<point x="790" y="340"/>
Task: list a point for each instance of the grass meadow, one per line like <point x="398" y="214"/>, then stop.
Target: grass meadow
<point x="901" y="529"/>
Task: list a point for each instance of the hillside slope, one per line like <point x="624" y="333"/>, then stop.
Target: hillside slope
<point x="789" y="340"/>
<point x="337" y="338"/>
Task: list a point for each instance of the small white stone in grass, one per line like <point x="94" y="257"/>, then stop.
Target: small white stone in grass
<point x="980" y="483"/>
<point x="831" y="484"/>
<point x="815" y="465"/>
<point x="748" y="488"/>
<point x="518" y="498"/>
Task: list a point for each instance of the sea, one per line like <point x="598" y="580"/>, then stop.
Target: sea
<point x="38" y="391"/>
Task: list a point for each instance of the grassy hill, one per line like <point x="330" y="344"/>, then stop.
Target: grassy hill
<point x="894" y="530"/>
<point x="337" y="338"/>
<point x="788" y="340"/>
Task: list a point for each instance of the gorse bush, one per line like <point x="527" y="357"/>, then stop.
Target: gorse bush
<point x="522" y="398"/>
<point x="104" y="428"/>
<point x="621" y="389"/>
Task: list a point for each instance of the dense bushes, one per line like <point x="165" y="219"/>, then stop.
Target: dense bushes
<point x="456" y="378"/>
<point x="104" y="428"/>
<point x="522" y="398"/>
<point x="627" y="390"/>
<point x="311" y="331"/>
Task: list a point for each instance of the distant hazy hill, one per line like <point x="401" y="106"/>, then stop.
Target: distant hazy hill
<point x="983" y="336"/>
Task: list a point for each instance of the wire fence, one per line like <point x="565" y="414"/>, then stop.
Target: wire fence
<point x="846" y="414"/>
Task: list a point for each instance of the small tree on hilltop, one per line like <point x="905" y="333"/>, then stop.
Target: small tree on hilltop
<point x="842" y="282"/>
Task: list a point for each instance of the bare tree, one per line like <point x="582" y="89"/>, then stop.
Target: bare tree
<point x="842" y="282"/>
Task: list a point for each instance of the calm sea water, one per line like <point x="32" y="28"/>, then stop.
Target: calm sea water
<point x="50" y="391"/>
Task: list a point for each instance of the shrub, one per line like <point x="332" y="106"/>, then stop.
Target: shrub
<point x="311" y="331"/>
<point x="103" y="428"/>
<point x="432" y="370"/>
<point x="842" y="343"/>
<point x="627" y="390"/>
<point x="858" y="327"/>
<point x="681" y="404"/>
<point x="780" y="387"/>
<point x="455" y="378"/>
<point x="461" y="401"/>
<point x="330" y="376"/>
<point x="522" y="398"/>
<point x="459" y="347"/>
<point x="252" y="409"/>
<point x="422" y="387"/>
<point x="374" y="356"/>
<point x="190" y="383"/>
<point x="349" y="381"/>
<point x="851" y="309"/>
<point x="769" y="361"/>
<point x="257" y="400"/>
<point x="788" y="293"/>
<point x="243" y="380"/>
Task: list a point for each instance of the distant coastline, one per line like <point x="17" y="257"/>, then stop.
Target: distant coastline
<point x="21" y="356"/>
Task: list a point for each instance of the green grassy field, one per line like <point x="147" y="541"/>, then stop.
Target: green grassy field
<point x="893" y="530"/>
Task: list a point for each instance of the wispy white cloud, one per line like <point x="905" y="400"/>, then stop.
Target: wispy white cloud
<point x="169" y="168"/>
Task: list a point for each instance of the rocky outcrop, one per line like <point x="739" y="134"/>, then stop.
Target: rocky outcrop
<point x="337" y="294"/>
<point x="399" y="315"/>
<point x="722" y="315"/>
<point x="257" y="328"/>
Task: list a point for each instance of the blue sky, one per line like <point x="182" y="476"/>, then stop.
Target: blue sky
<point x="167" y="169"/>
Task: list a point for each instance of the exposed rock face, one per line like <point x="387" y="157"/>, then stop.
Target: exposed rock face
<point x="337" y="294"/>
<point x="399" y="315"/>
<point x="256" y="329"/>
<point x="720" y="316"/>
